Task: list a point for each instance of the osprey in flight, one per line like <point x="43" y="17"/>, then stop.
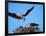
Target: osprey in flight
<point x="14" y="15"/>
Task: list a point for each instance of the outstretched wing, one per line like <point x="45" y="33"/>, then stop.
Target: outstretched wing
<point x="28" y="11"/>
<point x="14" y="15"/>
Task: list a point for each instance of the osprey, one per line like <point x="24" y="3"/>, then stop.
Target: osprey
<point x="14" y="15"/>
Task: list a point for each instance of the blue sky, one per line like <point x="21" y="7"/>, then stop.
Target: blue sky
<point x="36" y="16"/>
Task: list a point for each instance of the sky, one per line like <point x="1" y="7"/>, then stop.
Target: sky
<point x="36" y="16"/>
